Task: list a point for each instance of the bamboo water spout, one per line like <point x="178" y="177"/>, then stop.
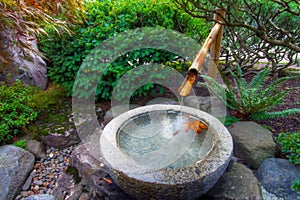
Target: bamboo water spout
<point x="212" y="43"/>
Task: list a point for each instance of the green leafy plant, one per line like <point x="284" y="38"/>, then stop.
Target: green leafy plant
<point x="229" y="120"/>
<point x="290" y="145"/>
<point x="252" y="100"/>
<point x="14" y="111"/>
<point x="20" y="143"/>
<point x="104" y="20"/>
<point x="296" y="185"/>
<point x="20" y="106"/>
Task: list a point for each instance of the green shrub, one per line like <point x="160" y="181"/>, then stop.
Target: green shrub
<point x="296" y="185"/>
<point x="290" y="145"/>
<point x="20" y="106"/>
<point x="104" y="20"/>
<point x="14" y="111"/>
<point x="20" y="143"/>
<point x="252" y="100"/>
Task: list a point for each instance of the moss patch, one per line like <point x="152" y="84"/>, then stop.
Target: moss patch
<point x="74" y="172"/>
<point x="55" y="117"/>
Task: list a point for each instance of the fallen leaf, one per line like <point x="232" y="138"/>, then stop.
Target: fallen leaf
<point x="108" y="181"/>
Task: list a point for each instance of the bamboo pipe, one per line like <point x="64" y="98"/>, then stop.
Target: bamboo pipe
<point x="197" y="64"/>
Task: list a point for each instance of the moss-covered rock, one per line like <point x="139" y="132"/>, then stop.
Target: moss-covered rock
<point x="290" y="71"/>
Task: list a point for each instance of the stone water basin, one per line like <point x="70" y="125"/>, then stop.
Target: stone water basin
<point x="151" y="154"/>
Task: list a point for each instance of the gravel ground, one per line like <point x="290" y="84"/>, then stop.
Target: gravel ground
<point x="43" y="178"/>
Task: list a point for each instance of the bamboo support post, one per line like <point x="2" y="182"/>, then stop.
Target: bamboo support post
<point x="215" y="48"/>
<point x="197" y="64"/>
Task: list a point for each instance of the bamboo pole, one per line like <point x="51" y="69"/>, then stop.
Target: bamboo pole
<point x="197" y="64"/>
<point x="215" y="48"/>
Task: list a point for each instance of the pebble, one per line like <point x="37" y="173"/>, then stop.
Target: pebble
<point x="46" y="172"/>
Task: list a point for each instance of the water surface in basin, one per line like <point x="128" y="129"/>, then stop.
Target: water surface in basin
<point x="161" y="139"/>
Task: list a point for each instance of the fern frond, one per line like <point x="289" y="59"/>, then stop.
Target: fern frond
<point x="270" y="95"/>
<point x="270" y="115"/>
<point x="244" y="89"/>
<point x="217" y="89"/>
<point x="242" y="80"/>
<point x="241" y="88"/>
<point x="259" y="79"/>
<point x="264" y="103"/>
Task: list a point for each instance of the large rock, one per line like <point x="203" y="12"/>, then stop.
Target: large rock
<point x="276" y="176"/>
<point x="40" y="197"/>
<point x="70" y="137"/>
<point x="36" y="148"/>
<point x="65" y="185"/>
<point x="211" y="105"/>
<point x="117" y="110"/>
<point x="238" y="182"/>
<point x="84" y="161"/>
<point x="27" y="66"/>
<point x="15" y="166"/>
<point x="290" y="71"/>
<point x="161" y="100"/>
<point x="92" y="176"/>
<point x="252" y="142"/>
<point x="202" y="103"/>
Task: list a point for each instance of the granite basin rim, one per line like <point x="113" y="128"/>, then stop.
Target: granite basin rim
<point x="202" y="171"/>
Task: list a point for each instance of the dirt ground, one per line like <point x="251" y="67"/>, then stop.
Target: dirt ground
<point x="292" y="100"/>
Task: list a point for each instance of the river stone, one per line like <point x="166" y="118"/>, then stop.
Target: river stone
<point x="36" y="148"/>
<point x="237" y="181"/>
<point x="15" y="166"/>
<point x="252" y="142"/>
<point x="276" y="176"/>
<point x="117" y="110"/>
<point x="28" y="67"/>
<point x="28" y="181"/>
<point x="40" y="197"/>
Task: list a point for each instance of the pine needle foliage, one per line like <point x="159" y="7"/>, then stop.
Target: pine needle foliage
<point x="255" y="99"/>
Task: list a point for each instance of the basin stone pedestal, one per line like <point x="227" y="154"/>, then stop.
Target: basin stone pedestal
<point x="185" y="182"/>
